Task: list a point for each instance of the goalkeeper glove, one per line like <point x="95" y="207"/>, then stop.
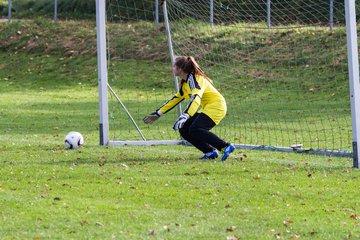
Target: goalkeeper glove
<point x="181" y="120"/>
<point x="152" y="117"/>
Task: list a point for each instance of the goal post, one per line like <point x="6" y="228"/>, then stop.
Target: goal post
<point x="102" y="72"/>
<point x="353" y="63"/>
<point x="282" y="69"/>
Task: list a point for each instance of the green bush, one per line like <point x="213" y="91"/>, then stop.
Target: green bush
<point x="3" y="8"/>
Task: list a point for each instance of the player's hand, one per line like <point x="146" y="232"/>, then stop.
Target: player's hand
<point x="181" y="120"/>
<point x="152" y="117"/>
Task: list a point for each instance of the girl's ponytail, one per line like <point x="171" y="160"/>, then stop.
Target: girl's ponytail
<point x="197" y="69"/>
<point x="189" y="65"/>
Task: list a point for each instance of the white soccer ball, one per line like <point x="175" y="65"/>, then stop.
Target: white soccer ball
<point x="74" y="140"/>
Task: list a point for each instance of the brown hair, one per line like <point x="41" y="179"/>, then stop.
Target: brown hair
<point x="189" y="65"/>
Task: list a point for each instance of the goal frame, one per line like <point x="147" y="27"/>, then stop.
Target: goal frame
<point x="353" y="67"/>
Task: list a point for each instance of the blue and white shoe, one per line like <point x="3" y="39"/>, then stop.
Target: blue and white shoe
<point x="211" y="155"/>
<point x="229" y="149"/>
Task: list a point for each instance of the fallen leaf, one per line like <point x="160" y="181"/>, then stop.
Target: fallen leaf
<point x="44" y="194"/>
<point x="257" y="177"/>
<point x="99" y="224"/>
<point x="294" y="237"/>
<point x="124" y="166"/>
<point x="287" y="222"/>
<point x="230" y="229"/>
<point x="233" y="238"/>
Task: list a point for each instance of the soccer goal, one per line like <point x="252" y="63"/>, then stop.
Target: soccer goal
<point x="284" y="68"/>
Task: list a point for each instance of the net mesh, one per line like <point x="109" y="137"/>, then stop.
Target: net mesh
<point x="284" y="77"/>
<point x="140" y="74"/>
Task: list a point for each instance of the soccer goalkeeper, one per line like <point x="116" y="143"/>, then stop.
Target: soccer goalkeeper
<point x="206" y="109"/>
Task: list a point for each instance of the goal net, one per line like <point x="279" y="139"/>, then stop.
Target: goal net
<point x="281" y="66"/>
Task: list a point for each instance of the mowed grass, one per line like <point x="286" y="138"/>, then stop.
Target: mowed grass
<point x="167" y="193"/>
<point x="153" y="192"/>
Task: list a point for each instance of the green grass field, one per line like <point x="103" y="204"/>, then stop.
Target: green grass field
<point x="154" y="192"/>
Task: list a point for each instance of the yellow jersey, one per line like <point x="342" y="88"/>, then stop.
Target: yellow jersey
<point x="204" y="97"/>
